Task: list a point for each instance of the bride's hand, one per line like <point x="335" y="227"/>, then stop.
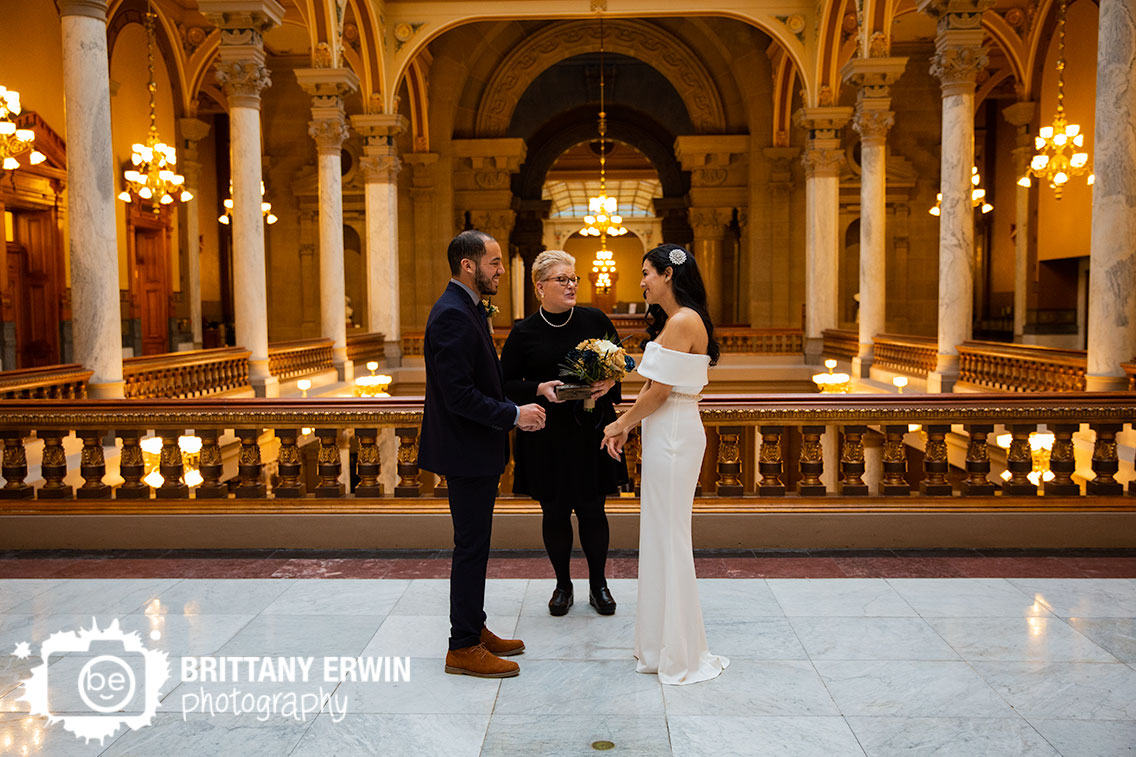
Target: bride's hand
<point x="615" y="436"/>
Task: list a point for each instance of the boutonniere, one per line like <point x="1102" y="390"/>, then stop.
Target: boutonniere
<point x="489" y="308"/>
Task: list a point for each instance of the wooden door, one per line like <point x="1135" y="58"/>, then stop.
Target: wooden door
<point x="152" y="289"/>
<point x="35" y="289"/>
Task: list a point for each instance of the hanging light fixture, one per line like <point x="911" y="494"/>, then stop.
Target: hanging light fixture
<point x="1059" y="147"/>
<point x="977" y="195"/>
<point x="602" y="220"/>
<point x="14" y="141"/>
<point x="265" y="207"/>
<point x="152" y="177"/>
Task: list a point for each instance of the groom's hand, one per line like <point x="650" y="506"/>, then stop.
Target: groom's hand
<point x="531" y="417"/>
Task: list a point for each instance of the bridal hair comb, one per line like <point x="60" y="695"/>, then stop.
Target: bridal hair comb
<point x="678" y="256"/>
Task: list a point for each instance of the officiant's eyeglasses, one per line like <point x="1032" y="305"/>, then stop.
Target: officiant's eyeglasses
<point x="565" y="280"/>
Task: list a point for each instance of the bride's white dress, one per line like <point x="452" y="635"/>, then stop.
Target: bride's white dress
<point x="669" y="636"/>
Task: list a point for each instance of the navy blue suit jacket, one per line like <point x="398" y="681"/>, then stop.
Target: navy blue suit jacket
<point x="466" y="419"/>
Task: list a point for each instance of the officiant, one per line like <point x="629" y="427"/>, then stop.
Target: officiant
<point x="562" y="466"/>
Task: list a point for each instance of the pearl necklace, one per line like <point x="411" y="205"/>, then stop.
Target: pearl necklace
<point x="556" y="325"/>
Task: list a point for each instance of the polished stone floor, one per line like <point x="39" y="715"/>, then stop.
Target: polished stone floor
<point x="821" y="666"/>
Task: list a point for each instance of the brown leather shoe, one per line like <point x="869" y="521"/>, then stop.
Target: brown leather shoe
<point x="477" y="661"/>
<point x="500" y="647"/>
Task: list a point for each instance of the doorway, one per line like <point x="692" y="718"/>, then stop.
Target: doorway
<point x="33" y="288"/>
<point x="151" y="288"/>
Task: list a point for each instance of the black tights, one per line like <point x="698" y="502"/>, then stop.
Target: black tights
<point x="556" y="527"/>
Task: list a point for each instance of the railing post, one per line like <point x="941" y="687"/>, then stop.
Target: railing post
<point x="53" y="467"/>
<point x="769" y="462"/>
<point x="288" y="466"/>
<point x="978" y="462"/>
<point x="171" y="466"/>
<point x="408" y="485"/>
<point x="894" y="483"/>
<point x="1105" y="461"/>
<point x="329" y="464"/>
<point x="92" y="466"/>
<point x="441" y="489"/>
<point x="1019" y="461"/>
<point x="132" y="467"/>
<point x="368" y="463"/>
<point x="811" y="462"/>
<point x="15" y="467"/>
<point x="211" y="467"/>
<point x="852" y="462"/>
<point x="249" y="466"/>
<point x="1061" y="462"/>
<point x="935" y="463"/>
<point x="729" y="462"/>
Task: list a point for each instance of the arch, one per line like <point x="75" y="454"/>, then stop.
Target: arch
<point x="418" y="91"/>
<point x="129" y="12"/>
<point x="785" y="75"/>
<point x="831" y="53"/>
<point x="635" y="39"/>
<point x="367" y="56"/>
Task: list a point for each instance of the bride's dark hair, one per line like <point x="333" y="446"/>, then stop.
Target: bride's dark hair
<point x="689" y="291"/>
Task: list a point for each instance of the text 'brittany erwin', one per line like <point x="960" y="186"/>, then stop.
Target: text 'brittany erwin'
<point x="294" y="669"/>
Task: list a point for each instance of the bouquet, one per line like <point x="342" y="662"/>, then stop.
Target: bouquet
<point x="590" y="361"/>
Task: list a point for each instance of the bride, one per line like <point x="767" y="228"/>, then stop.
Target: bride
<point x="670" y="639"/>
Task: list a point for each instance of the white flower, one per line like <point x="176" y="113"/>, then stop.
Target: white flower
<point x="678" y="257"/>
<point x="605" y="346"/>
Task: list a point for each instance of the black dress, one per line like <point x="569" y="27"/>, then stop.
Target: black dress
<point x="564" y="458"/>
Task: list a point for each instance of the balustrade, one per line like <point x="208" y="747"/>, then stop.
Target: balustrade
<point x="914" y="355"/>
<point x="299" y="357"/>
<point x="1021" y="367"/>
<point x="363" y="348"/>
<point x="787" y="460"/>
<point x="51" y="382"/>
<point x="840" y="343"/>
<point x="184" y="375"/>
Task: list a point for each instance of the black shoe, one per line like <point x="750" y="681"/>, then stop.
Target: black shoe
<point x="602" y="601"/>
<point x="560" y="602"/>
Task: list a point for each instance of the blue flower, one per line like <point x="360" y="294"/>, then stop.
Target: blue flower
<point x="628" y="363"/>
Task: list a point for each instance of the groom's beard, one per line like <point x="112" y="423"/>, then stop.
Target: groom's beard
<point x="485" y="284"/>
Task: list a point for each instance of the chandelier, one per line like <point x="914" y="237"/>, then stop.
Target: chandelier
<point x="152" y="177"/>
<point x="265" y="207"/>
<point x="977" y="195"/>
<point x="1059" y="156"/>
<point x="14" y="141"/>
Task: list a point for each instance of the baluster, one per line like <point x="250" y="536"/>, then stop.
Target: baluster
<point x="852" y="462"/>
<point x="812" y="462"/>
<point x="132" y="467"/>
<point x="171" y="466"/>
<point x="729" y="461"/>
<point x="92" y="466"/>
<point x="249" y="467"/>
<point x="935" y="463"/>
<point x="15" y="467"/>
<point x="288" y="465"/>
<point x="329" y="464"/>
<point x="769" y="462"/>
<point x="211" y="467"/>
<point x="633" y="454"/>
<point x="894" y="483"/>
<point x="407" y="462"/>
<point x="978" y="462"/>
<point x="1020" y="462"/>
<point x="1061" y="462"/>
<point x="1105" y="462"/>
<point x="441" y="489"/>
<point x="368" y="463"/>
<point x="54" y="466"/>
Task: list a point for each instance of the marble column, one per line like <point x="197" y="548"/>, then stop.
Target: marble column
<point x="822" y="157"/>
<point x="709" y="226"/>
<point x="192" y="131"/>
<point x="380" y="175"/>
<point x="1021" y="115"/>
<point x="1112" y="257"/>
<point x="242" y="75"/>
<point x="958" y="58"/>
<point x="91" y="196"/>
<point x="872" y="119"/>
<point x="328" y="128"/>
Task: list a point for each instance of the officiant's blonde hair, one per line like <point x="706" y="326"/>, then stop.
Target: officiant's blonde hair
<point x="548" y="260"/>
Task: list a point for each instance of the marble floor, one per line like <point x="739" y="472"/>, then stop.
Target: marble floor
<point x="819" y="666"/>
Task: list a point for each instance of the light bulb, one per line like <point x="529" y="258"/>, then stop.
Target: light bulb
<point x="1046" y="132"/>
<point x="935" y="211"/>
<point x="1059" y="139"/>
<point x="986" y="207"/>
<point x="1060" y="178"/>
<point x="166" y="199"/>
<point x="271" y="219"/>
<point x="223" y="219"/>
<point x="124" y="196"/>
<point x="186" y="196"/>
<point x="1025" y="182"/>
<point x="1072" y="129"/>
<point x="229" y="204"/>
<point x="6" y="128"/>
<point x="265" y="207"/>
<point x="1079" y="140"/>
<point x="36" y="157"/>
<point x="25" y="135"/>
<point x="145" y="193"/>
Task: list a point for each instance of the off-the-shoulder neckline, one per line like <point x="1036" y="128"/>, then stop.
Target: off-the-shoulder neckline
<point x="676" y="352"/>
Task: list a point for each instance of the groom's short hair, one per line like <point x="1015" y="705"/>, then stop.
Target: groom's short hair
<point x="469" y="244"/>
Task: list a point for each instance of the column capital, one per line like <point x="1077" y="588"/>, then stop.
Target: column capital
<point x="822" y="161"/>
<point x="329" y="133"/>
<point x="380" y="169"/>
<point x="89" y="8"/>
<point x="823" y="123"/>
<point x="710" y="223"/>
<point x="957" y="66"/>
<point x="873" y="119"/>
<point x="959" y="54"/>
<point x="422" y="173"/>
<point x="243" y="81"/>
<point x="253" y="17"/>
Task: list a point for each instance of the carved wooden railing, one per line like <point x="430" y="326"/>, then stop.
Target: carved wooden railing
<point x="1021" y="367"/>
<point x="782" y="423"/>
<point x="363" y="348"/>
<point x="916" y="355"/>
<point x="299" y="357"/>
<point x="50" y="382"/>
<point x="194" y="373"/>
<point x="1130" y="371"/>
<point x="841" y="343"/>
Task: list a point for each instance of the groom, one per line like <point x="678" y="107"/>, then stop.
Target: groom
<point x="465" y="428"/>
